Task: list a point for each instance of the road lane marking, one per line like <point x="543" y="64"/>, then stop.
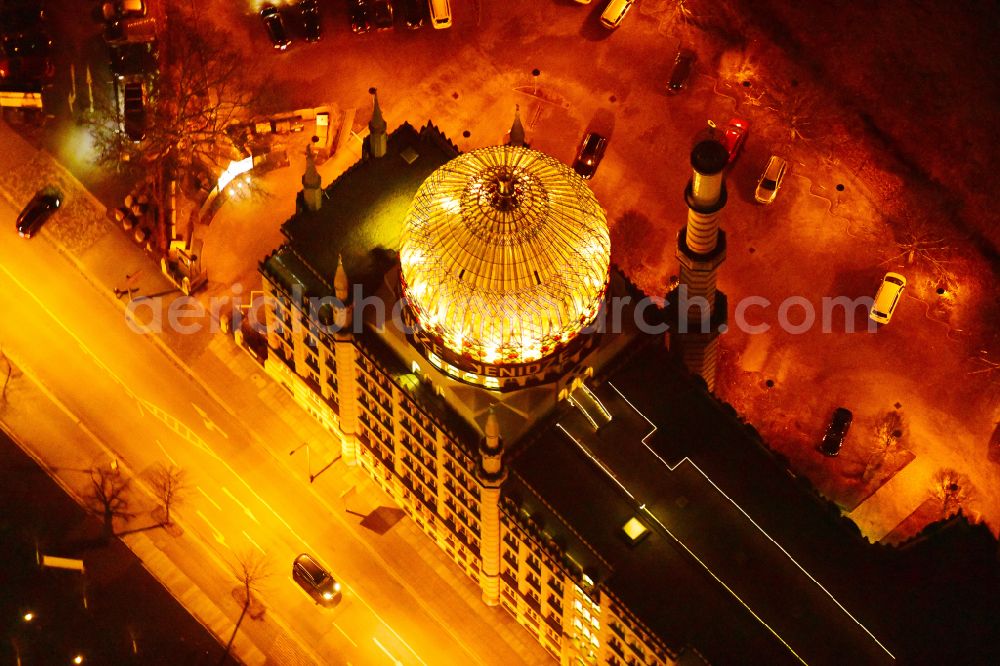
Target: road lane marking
<point x="172" y="461"/>
<point x="209" y="423"/>
<point x="345" y="634"/>
<point x="246" y="509"/>
<point x="257" y="545"/>
<point x="211" y="552"/>
<point x="395" y="661"/>
<point x="182" y="429"/>
<point x="209" y="498"/>
<point x="215" y="533"/>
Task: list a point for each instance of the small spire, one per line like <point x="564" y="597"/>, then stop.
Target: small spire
<point x="377" y="124"/>
<point x="341" y="285"/>
<point x="492" y="430"/>
<point x="516" y="129"/>
<point x="311" y="177"/>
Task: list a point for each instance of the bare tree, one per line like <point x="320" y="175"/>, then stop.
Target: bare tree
<point x="203" y="88"/>
<point x="107" y="496"/>
<point x="169" y="484"/>
<point x="251" y="569"/>
<point x="887" y="432"/>
<point x="953" y="489"/>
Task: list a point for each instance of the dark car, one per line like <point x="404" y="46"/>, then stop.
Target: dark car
<point x="134" y="109"/>
<point x="25" y="58"/>
<point x="835" y="434"/>
<point x="360" y="15"/>
<point x="681" y="72"/>
<point x="45" y="202"/>
<point x="309" y="10"/>
<point x="134" y="58"/>
<point x="382" y="14"/>
<point x="316" y="581"/>
<point x="590" y="154"/>
<point x="16" y="17"/>
<point x="275" y="27"/>
<point x="414" y="13"/>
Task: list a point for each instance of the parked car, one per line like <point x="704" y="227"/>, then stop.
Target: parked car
<point x="134" y="108"/>
<point x="770" y="180"/>
<point x="16" y="17"/>
<point x="681" y="71"/>
<point x="414" y="13"/>
<point x="275" y="27"/>
<point x="316" y="581"/>
<point x="360" y="16"/>
<point x="734" y="136"/>
<point x="440" y="13"/>
<point x="25" y="58"/>
<point x="134" y="58"/>
<point x="887" y="297"/>
<point x="615" y="12"/>
<point x="120" y="30"/>
<point x="309" y="11"/>
<point x="836" y="432"/>
<point x="382" y="14"/>
<point x="45" y="202"/>
<point x="588" y="157"/>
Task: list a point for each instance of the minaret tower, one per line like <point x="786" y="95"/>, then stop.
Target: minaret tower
<point x="377" y="138"/>
<point x="312" y="183"/>
<point x="344" y="356"/>
<point x="698" y="309"/>
<point x="516" y="136"/>
<point x="491" y="473"/>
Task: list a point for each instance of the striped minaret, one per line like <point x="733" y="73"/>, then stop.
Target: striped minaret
<point x="491" y="472"/>
<point x="344" y="355"/>
<point x="699" y="308"/>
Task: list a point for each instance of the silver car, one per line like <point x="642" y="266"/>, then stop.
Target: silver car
<point x="770" y="180"/>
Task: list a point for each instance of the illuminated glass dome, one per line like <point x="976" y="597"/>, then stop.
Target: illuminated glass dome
<point x="505" y="255"/>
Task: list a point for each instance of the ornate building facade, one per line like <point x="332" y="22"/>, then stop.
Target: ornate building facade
<point x="479" y="399"/>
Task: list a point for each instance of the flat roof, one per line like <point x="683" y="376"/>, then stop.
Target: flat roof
<point x="708" y="573"/>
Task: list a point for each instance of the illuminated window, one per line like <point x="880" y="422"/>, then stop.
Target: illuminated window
<point x="635" y="530"/>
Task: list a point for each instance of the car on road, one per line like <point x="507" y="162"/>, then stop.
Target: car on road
<point x="588" y="157"/>
<point x="414" y="13"/>
<point x="833" y="440"/>
<point x="134" y="108"/>
<point x="309" y="12"/>
<point x="887" y="297"/>
<point x="316" y="581"/>
<point x="734" y="136"/>
<point x="615" y="12"/>
<point x="770" y="180"/>
<point x="440" y="13"/>
<point x="360" y="15"/>
<point x="382" y="14"/>
<point x="45" y="202"/>
<point x="275" y="26"/>
<point x="681" y="71"/>
<point x="134" y="58"/>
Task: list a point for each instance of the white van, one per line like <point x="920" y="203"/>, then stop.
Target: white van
<point x="887" y="297"/>
<point x="440" y="13"/>
<point x="615" y="12"/>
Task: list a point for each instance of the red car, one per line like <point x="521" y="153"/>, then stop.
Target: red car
<point x="734" y="136"/>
